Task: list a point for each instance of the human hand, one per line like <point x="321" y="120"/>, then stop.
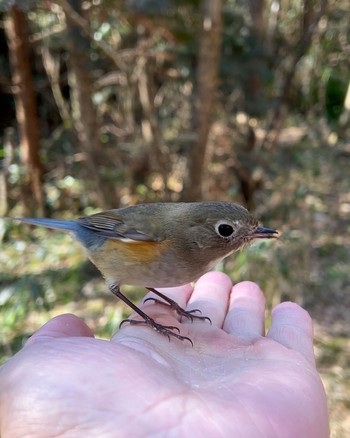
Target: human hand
<point x="235" y="381"/>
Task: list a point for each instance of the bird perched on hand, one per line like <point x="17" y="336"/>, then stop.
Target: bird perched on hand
<point x="161" y="245"/>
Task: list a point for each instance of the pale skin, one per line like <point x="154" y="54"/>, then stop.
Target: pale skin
<point x="236" y="381"/>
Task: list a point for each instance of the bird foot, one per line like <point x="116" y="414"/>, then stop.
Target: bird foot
<point x="179" y="310"/>
<point x="166" y="330"/>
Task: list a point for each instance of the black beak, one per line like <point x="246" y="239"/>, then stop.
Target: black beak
<point x="265" y="233"/>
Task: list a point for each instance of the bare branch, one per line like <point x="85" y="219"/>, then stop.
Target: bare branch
<point x="84" y="26"/>
<point x="279" y="114"/>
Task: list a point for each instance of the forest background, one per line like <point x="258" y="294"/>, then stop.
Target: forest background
<point x="109" y="103"/>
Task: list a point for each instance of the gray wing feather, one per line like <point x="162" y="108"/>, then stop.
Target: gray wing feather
<point x="110" y="226"/>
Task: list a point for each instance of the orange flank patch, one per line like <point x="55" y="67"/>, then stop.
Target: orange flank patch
<point x="138" y="251"/>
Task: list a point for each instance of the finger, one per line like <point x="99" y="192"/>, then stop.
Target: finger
<point x="61" y="326"/>
<point x="211" y="296"/>
<point x="246" y="318"/>
<point x="292" y="327"/>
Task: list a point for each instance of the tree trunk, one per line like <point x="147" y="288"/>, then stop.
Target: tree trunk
<point x="255" y="68"/>
<point x="26" y="111"/>
<point x="151" y="130"/>
<point x="84" y="112"/>
<point x="207" y="73"/>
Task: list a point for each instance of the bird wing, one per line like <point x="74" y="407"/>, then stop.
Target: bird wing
<point x="110" y="225"/>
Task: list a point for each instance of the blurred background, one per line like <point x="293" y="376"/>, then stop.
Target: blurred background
<point x="110" y="103"/>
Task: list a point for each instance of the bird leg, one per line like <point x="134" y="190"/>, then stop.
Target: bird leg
<point x="174" y="306"/>
<point x="160" y="328"/>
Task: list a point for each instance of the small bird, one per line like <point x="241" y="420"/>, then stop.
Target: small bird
<point x="161" y="245"/>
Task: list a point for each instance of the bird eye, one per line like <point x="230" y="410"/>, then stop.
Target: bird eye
<point x="225" y="230"/>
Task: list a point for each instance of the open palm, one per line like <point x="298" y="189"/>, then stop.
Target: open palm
<point x="234" y="381"/>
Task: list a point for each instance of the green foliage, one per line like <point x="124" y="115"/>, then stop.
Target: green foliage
<point x="336" y="88"/>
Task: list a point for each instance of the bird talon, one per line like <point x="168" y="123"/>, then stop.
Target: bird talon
<point x="124" y="321"/>
<point x="188" y="314"/>
<point x="166" y="330"/>
<point x="174" y="306"/>
<point x="151" y="299"/>
<point x="194" y="310"/>
<point x="208" y="319"/>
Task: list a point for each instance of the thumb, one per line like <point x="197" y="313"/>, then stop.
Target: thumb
<point x="66" y="325"/>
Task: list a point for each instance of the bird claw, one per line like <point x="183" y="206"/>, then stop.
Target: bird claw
<point x="166" y="330"/>
<point x="179" y="310"/>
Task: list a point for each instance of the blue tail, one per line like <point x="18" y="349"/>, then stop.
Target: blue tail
<point x="50" y="223"/>
<point x="87" y="238"/>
